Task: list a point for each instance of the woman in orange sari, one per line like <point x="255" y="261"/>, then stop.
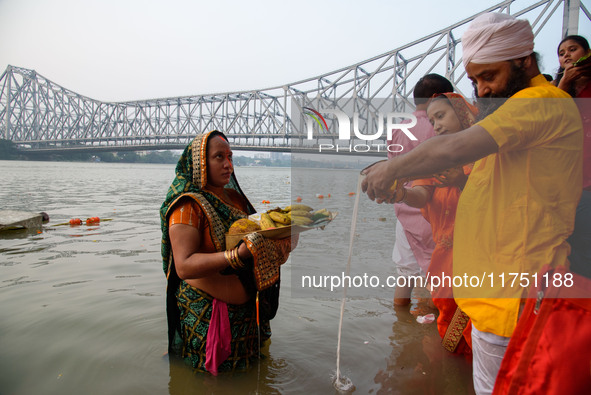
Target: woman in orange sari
<point x="217" y="318"/>
<point x="438" y="199"/>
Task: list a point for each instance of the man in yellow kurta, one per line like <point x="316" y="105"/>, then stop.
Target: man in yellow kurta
<point x="518" y="206"/>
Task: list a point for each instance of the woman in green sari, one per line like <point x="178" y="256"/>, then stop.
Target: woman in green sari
<point x="213" y="294"/>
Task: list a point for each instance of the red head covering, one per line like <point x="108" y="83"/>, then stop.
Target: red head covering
<point x="465" y="111"/>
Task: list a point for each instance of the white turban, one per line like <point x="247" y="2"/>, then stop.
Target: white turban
<point x="495" y="37"/>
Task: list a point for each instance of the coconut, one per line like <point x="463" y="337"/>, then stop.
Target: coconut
<point x="244" y="225"/>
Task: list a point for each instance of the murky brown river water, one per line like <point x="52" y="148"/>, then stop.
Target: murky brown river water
<point x="82" y="308"/>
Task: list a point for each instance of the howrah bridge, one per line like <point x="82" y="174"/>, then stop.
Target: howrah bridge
<point x="40" y="116"/>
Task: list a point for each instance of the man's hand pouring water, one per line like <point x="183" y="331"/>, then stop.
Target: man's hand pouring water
<point x="430" y="157"/>
<point x="378" y="182"/>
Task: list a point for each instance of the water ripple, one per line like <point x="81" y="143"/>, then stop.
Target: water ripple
<point x="70" y="283"/>
<point x="17" y="281"/>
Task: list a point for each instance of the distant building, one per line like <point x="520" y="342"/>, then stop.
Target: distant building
<point x="278" y="156"/>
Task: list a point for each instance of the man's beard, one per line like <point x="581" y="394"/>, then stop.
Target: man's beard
<point x="518" y="80"/>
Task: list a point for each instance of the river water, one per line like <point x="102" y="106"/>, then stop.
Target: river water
<point x="82" y="308"/>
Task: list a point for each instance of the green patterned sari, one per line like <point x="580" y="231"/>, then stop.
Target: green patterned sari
<point x="189" y="309"/>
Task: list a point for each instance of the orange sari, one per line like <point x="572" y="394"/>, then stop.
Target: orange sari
<point x="453" y="325"/>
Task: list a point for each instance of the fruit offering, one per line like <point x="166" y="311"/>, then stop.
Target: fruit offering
<point x="296" y="214"/>
<point x="279" y="223"/>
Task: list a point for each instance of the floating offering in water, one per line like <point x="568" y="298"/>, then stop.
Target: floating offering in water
<point x="89" y="221"/>
<point x="426" y="319"/>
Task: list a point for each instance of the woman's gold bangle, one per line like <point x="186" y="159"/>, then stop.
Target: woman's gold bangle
<point x="233" y="259"/>
<point x="237" y="259"/>
<point x="228" y="257"/>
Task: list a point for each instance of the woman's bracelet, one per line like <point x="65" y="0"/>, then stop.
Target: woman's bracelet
<point x="233" y="259"/>
<point x="228" y="257"/>
<point x="237" y="260"/>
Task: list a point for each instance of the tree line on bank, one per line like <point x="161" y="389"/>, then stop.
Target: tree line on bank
<point x="8" y="151"/>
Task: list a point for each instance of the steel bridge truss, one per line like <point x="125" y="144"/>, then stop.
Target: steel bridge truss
<point x="40" y="115"/>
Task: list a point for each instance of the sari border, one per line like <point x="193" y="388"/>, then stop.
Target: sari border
<point x="455" y="330"/>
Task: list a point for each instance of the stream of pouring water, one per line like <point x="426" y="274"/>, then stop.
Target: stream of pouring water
<point x="343" y="383"/>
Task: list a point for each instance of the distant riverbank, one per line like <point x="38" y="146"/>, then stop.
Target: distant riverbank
<point x="9" y="152"/>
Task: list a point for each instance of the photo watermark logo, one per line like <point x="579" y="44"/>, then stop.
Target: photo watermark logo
<point x="349" y="129"/>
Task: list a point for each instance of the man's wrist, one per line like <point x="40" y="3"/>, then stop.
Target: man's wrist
<point x="392" y="167"/>
<point x="404" y="196"/>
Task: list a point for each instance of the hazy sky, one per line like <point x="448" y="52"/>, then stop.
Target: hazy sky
<point x="117" y="50"/>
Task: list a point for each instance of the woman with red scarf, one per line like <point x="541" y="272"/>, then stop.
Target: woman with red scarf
<point x="438" y="199"/>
